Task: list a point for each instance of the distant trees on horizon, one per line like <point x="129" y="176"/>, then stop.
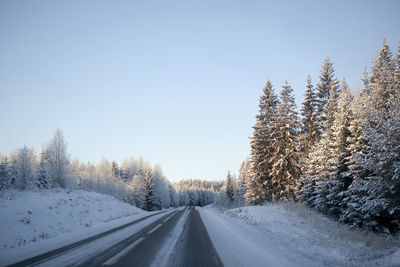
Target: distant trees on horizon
<point x="135" y="181"/>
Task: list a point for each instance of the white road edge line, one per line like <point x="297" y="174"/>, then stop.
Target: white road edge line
<point x="122" y="253"/>
<point x="169" y="217"/>
<point x="155" y="228"/>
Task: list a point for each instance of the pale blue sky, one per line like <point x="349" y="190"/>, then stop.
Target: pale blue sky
<point x="176" y="82"/>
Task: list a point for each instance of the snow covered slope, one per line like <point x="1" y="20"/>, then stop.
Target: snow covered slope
<point x="292" y="235"/>
<point x="27" y="217"/>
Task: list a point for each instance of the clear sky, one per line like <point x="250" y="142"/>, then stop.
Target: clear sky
<point x="176" y="82"/>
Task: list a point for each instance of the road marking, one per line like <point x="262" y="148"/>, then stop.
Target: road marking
<point x="169" y="217"/>
<point x="122" y="253"/>
<point x="155" y="228"/>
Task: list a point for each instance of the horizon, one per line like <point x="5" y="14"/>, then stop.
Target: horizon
<point x="175" y="83"/>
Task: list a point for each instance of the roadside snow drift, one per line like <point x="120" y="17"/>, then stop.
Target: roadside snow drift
<point x="27" y="217"/>
<point x="292" y="235"/>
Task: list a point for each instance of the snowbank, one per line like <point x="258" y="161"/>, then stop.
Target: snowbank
<point x="27" y="217"/>
<point x="292" y="235"/>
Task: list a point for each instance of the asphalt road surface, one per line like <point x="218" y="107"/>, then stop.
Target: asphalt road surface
<point x="193" y="248"/>
<point x="174" y="239"/>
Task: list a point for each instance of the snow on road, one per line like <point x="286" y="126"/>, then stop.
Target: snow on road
<point x="33" y="222"/>
<point x="292" y="235"/>
<point x="162" y="258"/>
<point x="81" y="254"/>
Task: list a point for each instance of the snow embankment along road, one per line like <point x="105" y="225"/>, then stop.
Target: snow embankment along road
<point x="293" y="235"/>
<point x="112" y="248"/>
<point x="34" y="222"/>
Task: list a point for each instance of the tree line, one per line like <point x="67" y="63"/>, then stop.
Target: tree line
<point x="340" y="155"/>
<point x="134" y="181"/>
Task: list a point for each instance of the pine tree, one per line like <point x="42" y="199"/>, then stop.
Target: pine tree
<point x="285" y="172"/>
<point x="258" y="183"/>
<point x="229" y="191"/>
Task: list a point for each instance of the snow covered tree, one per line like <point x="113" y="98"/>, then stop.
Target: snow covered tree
<point x="115" y="170"/>
<point x="337" y="175"/>
<point x="173" y="195"/>
<point x="285" y="172"/>
<point x="327" y="92"/>
<point x="382" y="80"/>
<point x="58" y="159"/>
<point x="308" y="129"/>
<point x="42" y="177"/>
<point x="396" y="61"/>
<point x="241" y="182"/>
<point x="258" y="183"/>
<point x="139" y="190"/>
<point x="149" y="191"/>
<point x="8" y="174"/>
<point x="229" y="190"/>
<point x="25" y="163"/>
<point x="372" y="201"/>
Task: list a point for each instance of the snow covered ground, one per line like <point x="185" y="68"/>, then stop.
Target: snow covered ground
<point x="292" y="235"/>
<point x="33" y="217"/>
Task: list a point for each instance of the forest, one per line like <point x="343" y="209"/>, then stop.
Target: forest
<point x="339" y="155"/>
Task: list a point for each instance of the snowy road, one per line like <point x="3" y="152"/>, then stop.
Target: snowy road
<point x="175" y="238"/>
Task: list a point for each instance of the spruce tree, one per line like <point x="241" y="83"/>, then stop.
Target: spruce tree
<point x="8" y="174"/>
<point x="229" y="191"/>
<point x="327" y="92"/>
<point x="308" y="129"/>
<point x="115" y="171"/>
<point x="372" y="201"/>
<point x="382" y="80"/>
<point x="42" y="176"/>
<point x="149" y="191"/>
<point x="241" y="183"/>
<point x="258" y="183"/>
<point x="285" y="172"/>
<point x="396" y="61"/>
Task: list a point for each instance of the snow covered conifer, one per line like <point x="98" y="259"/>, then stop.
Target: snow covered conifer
<point x="42" y="177"/>
<point x="115" y="171"/>
<point x="258" y="182"/>
<point x="382" y="79"/>
<point x="308" y="129"/>
<point x="229" y="191"/>
<point x="241" y="182"/>
<point x="149" y="191"/>
<point x="327" y="92"/>
<point x="285" y="172"/>
<point x="372" y="201"/>
<point x="8" y="174"/>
